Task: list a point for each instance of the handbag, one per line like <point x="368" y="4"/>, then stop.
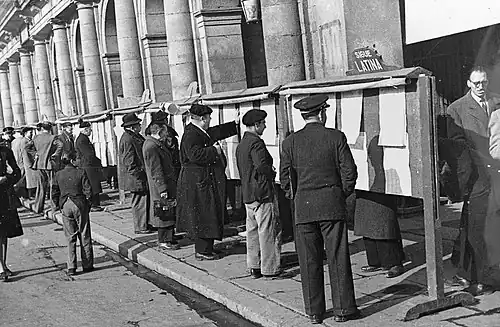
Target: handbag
<point x="164" y="209"/>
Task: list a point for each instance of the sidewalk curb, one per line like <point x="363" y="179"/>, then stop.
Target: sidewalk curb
<point x="244" y="302"/>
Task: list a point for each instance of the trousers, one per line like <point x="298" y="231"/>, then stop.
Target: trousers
<point x="140" y="210"/>
<point x="76" y="225"/>
<point x="43" y="180"/>
<point x="312" y="238"/>
<point x="263" y="237"/>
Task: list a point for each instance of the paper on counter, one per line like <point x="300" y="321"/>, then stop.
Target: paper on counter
<point x="360" y="155"/>
<point x="397" y="170"/>
<point x="297" y="120"/>
<point x="215" y="116"/>
<point x="270" y="135"/>
<point x="331" y="112"/>
<point x="352" y="105"/>
<point x="392" y="116"/>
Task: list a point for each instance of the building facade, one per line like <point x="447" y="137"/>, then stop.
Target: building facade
<point x="62" y="58"/>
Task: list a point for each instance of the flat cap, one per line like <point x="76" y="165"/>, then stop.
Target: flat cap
<point x="26" y="129"/>
<point x="200" y="110"/>
<point x="253" y="116"/>
<point x="8" y="129"/>
<point x="83" y="124"/>
<point x="312" y="103"/>
<point x="45" y="125"/>
<point x="66" y="124"/>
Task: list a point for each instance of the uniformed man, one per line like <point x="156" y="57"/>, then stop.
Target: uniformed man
<point x="318" y="171"/>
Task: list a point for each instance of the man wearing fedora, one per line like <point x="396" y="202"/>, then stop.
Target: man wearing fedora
<point x="45" y="149"/>
<point x="132" y="176"/>
<point x="318" y="172"/>
<point x="201" y="192"/>
<point x="67" y="139"/>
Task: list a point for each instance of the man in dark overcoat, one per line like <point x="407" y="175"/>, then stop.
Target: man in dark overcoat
<point x="318" y="171"/>
<point x="201" y="191"/>
<point x="7" y="136"/>
<point x="132" y="176"/>
<point x="469" y="125"/>
<point x="67" y="139"/>
<point x="162" y="180"/>
<point x="88" y="161"/>
<point x="45" y="148"/>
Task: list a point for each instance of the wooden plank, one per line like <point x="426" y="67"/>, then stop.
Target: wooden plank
<point x="371" y="127"/>
<point x="414" y="140"/>
<point x="432" y="222"/>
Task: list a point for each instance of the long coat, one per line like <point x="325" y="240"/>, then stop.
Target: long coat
<point x="161" y="175"/>
<point x="44" y="148"/>
<point x="88" y="161"/>
<point x="18" y="146"/>
<point x="201" y="189"/>
<point x="10" y="225"/>
<point x="132" y="176"/>
<point x="317" y="170"/>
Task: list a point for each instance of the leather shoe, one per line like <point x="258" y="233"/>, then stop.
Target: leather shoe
<point x="255" y="273"/>
<point x="204" y="256"/>
<point x="169" y="246"/>
<point x="370" y="268"/>
<point x="395" y="271"/>
<point x="344" y="318"/>
<point x="96" y="209"/>
<point x="71" y="272"/>
<point x="88" y="269"/>
<point x="479" y="289"/>
<point x="459" y="281"/>
<point x="146" y="231"/>
<point x="281" y="274"/>
<point x="316" y="319"/>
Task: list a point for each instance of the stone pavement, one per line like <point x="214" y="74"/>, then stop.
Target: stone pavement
<point x="273" y="303"/>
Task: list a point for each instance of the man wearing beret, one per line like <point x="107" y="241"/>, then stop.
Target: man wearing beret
<point x="255" y="165"/>
<point x="201" y="192"/>
<point x="318" y="172"/>
<point x="132" y="175"/>
<point x="67" y="139"/>
<point x="45" y="148"/>
<point x="88" y="161"/>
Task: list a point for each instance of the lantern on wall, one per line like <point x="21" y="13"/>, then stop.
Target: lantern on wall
<point x="251" y="10"/>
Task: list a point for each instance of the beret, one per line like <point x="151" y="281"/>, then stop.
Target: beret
<point x="253" y="116"/>
<point x="200" y="110"/>
<point x="66" y="124"/>
<point x="312" y="103"/>
<point x="8" y="129"/>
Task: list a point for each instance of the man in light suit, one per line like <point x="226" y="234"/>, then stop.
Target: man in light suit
<point x="45" y="148"/>
<point x="468" y="125"/>
<point x="19" y="150"/>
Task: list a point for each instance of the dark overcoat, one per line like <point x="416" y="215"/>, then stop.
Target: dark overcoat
<point x="10" y="224"/>
<point x="317" y="170"/>
<point x="88" y="161"/>
<point x="161" y="175"/>
<point x="201" y="190"/>
<point x="132" y="176"/>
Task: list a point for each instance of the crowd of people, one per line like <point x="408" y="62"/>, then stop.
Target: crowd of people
<point x="180" y="187"/>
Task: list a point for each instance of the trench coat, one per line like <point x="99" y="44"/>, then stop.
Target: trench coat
<point x="10" y="224"/>
<point x="88" y="161"/>
<point x="161" y="176"/>
<point x="132" y="176"/>
<point x="201" y="188"/>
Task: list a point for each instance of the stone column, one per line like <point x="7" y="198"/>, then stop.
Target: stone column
<point x="46" y="98"/>
<point x="15" y="93"/>
<point x="64" y="68"/>
<point x="181" y="55"/>
<point x="2" y="121"/>
<point x="128" y="45"/>
<point x="8" y="115"/>
<point x="91" y="57"/>
<point x="282" y="41"/>
<point x="28" y="88"/>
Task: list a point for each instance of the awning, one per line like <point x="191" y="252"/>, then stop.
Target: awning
<point x="239" y="96"/>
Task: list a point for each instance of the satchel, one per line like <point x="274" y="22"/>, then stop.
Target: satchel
<point x="164" y="209"/>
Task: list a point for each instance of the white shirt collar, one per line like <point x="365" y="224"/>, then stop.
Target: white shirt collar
<point x="478" y="99"/>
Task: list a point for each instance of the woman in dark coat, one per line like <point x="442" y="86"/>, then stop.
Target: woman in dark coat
<point x="201" y="190"/>
<point x="10" y="225"/>
<point x="88" y="161"/>
<point x="162" y="181"/>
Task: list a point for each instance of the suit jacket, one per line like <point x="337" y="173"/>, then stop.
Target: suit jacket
<point x="255" y="165"/>
<point x="132" y="175"/>
<point x="44" y="148"/>
<point x="469" y="125"/>
<point x="67" y="141"/>
<point x="325" y="172"/>
<point x="72" y="183"/>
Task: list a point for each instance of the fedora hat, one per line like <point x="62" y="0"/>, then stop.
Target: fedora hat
<point x="130" y="119"/>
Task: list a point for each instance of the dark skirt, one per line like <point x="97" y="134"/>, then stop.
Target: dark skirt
<point x="10" y="225"/>
<point x="384" y="253"/>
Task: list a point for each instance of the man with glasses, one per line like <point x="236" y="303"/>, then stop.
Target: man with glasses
<point x="468" y="124"/>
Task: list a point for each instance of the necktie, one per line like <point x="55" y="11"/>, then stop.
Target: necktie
<point x="484" y="106"/>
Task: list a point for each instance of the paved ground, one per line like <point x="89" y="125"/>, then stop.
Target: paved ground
<point x="41" y="294"/>
<point x="383" y="302"/>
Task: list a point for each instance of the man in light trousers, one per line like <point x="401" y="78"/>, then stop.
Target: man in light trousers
<point x="255" y="166"/>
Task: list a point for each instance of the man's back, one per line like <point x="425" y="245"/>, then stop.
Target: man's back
<point x="74" y="184"/>
<point x="325" y="172"/>
<point x="43" y="145"/>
